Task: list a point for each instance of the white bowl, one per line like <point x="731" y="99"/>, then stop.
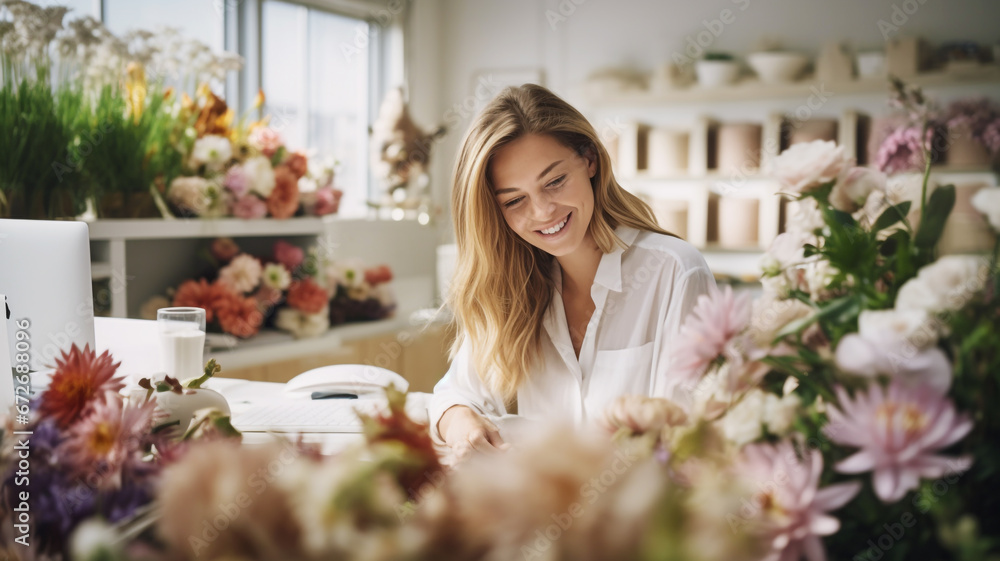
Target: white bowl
<point x="777" y="67"/>
<point x="716" y="73"/>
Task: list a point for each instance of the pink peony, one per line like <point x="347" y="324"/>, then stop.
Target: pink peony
<point x="242" y="274"/>
<point x="790" y="511"/>
<point x="236" y="181"/>
<point x="898" y="431"/>
<point x="715" y="320"/>
<point x="806" y="166"/>
<point x="249" y="206"/>
<point x="288" y="255"/>
<point x="327" y="201"/>
<point x="267" y="140"/>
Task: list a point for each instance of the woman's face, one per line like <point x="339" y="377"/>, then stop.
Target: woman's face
<point x="544" y="191"/>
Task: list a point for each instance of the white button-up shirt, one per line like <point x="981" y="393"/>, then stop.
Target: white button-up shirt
<point x="641" y="294"/>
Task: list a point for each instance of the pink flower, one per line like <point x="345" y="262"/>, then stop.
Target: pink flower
<point x="790" y="511"/>
<point x="806" y="166"/>
<point x="327" y="200"/>
<point x="902" y="151"/>
<point x="715" y="320"/>
<point x="236" y="180"/>
<point x="249" y="206"/>
<point x="108" y="441"/>
<point x="283" y="202"/>
<point x="267" y="140"/>
<point x="898" y="432"/>
<point x="288" y="255"/>
<point x="242" y="274"/>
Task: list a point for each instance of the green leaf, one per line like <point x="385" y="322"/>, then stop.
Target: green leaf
<point x="891" y="216"/>
<point x="939" y="206"/>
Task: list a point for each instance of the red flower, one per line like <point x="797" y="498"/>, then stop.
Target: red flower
<point x="307" y="296"/>
<point x="284" y="199"/>
<point x="288" y="255"/>
<point x="197" y="294"/>
<point x="237" y="315"/>
<point x="81" y="379"/>
<point x="378" y="275"/>
<point x="298" y="164"/>
<point x="224" y="249"/>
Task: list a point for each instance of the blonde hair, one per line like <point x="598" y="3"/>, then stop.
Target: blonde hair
<point x="502" y="284"/>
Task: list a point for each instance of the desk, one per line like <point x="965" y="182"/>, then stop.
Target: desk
<point x="134" y="343"/>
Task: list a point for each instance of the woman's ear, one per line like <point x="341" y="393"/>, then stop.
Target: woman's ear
<point x="590" y="154"/>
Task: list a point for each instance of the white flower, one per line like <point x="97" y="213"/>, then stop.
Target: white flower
<point x="742" y="423"/>
<point x="901" y="344"/>
<point x="211" y="150"/>
<point x="94" y="539"/>
<point x="242" y="274"/>
<point x="987" y="201"/>
<point x="771" y="315"/>
<point x="819" y="275"/>
<point x="854" y="189"/>
<point x="945" y="285"/>
<point x="787" y="250"/>
<point x="804" y="215"/>
<point x="808" y="165"/>
<point x="780" y="413"/>
<point x="276" y="276"/>
<point x="349" y="273"/>
<point x="260" y="175"/>
<point x="190" y="194"/>
<point x="302" y="325"/>
<point x="384" y="294"/>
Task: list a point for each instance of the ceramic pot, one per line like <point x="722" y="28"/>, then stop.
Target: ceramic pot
<point x="672" y="215"/>
<point x="668" y="153"/>
<point x="716" y="73"/>
<point x="777" y="67"/>
<point x="181" y="408"/>
<point x="738" y="148"/>
<point x="963" y="150"/>
<point x="738" y="222"/>
<point x="813" y="129"/>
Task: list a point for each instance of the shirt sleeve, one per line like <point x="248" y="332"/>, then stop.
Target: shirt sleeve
<point x="690" y="286"/>
<point x="461" y="385"/>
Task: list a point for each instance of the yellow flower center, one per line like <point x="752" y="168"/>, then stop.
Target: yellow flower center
<point x="911" y="419"/>
<point x="102" y="440"/>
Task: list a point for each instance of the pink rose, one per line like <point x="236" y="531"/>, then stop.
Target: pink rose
<point x="267" y="140"/>
<point x="288" y="255"/>
<point x="236" y="180"/>
<point x="249" y="206"/>
<point x="808" y="165"/>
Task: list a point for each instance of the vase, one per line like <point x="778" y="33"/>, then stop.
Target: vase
<point x="738" y="222"/>
<point x="668" y="153"/>
<point x="738" y="148"/>
<point x="813" y="129"/>
<point x="180" y="408"/>
<point x="964" y="150"/>
<point x="130" y="205"/>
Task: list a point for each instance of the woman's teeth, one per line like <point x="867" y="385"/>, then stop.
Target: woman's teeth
<point x="555" y="228"/>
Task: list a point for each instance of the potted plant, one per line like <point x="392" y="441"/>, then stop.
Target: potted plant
<point x="716" y="70"/>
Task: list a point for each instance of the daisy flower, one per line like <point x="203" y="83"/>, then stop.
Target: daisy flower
<point x="81" y="379"/>
<point x="716" y="319"/>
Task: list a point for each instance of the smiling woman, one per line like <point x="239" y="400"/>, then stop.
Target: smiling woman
<point x="567" y="294"/>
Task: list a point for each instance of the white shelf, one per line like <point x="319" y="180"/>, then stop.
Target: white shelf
<point x="752" y="89"/>
<point x="159" y="228"/>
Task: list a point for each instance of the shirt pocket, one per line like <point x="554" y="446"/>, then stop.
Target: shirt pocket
<point x="619" y="372"/>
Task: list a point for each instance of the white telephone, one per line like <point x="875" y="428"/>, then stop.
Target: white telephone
<point x="345" y="380"/>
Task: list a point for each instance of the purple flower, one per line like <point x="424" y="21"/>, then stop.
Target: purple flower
<point x="902" y="151"/>
<point x="898" y="431"/>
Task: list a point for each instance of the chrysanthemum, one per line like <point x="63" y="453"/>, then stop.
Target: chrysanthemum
<point x="108" y="441"/>
<point x="237" y="315"/>
<point x="242" y="274"/>
<point x="790" y="511"/>
<point x="308" y="296"/>
<point x="197" y="294"/>
<point x="898" y="431"/>
<point x="81" y="379"/>
<point x="276" y="276"/>
<point x="715" y="320"/>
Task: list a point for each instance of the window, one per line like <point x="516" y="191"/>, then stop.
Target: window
<point x="196" y="19"/>
<point x="316" y="76"/>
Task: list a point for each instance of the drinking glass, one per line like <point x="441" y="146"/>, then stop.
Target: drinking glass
<point x="182" y="341"/>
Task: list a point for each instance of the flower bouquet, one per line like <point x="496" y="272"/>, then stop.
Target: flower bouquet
<point x="297" y="291"/>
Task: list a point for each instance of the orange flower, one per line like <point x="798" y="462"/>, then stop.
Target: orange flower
<point x="298" y="164"/>
<point x="307" y="296"/>
<point x="378" y="275"/>
<point x="284" y="199"/>
<point x="81" y="379"/>
<point x="197" y="294"/>
<point x="237" y="315"/>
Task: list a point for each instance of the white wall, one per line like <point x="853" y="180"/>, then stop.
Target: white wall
<point x="453" y="40"/>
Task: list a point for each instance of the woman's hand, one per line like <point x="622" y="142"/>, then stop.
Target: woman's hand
<point x="465" y="430"/>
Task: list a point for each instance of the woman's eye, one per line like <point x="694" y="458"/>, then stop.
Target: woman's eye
<point x="557" y="181"/>
<point x="512" y="202"/>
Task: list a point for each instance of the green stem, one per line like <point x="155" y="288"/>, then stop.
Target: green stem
<point x="927" y="170"/>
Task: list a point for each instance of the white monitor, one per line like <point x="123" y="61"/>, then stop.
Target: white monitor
<point x="45" y="274"/>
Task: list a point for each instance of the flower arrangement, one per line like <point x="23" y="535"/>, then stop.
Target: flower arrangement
<point x="83" y="453"/>
<point x="297" y="291"/>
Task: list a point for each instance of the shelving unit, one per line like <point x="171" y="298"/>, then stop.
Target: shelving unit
<point x="697" y="112"/>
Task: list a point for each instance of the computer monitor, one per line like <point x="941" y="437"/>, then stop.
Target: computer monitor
<point x="45" y="274"/>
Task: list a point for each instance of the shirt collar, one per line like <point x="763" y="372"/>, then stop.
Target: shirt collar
<point x="609" y="271"/>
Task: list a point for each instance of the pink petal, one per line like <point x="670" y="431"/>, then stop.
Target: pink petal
<point x="860" y="462"/>
<point x="886" y="482"/>
<point x="835" y="496"/>
<point x="933" y="467"/>
<point x="823" y="525"/>
<point x="813" y="549"/>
